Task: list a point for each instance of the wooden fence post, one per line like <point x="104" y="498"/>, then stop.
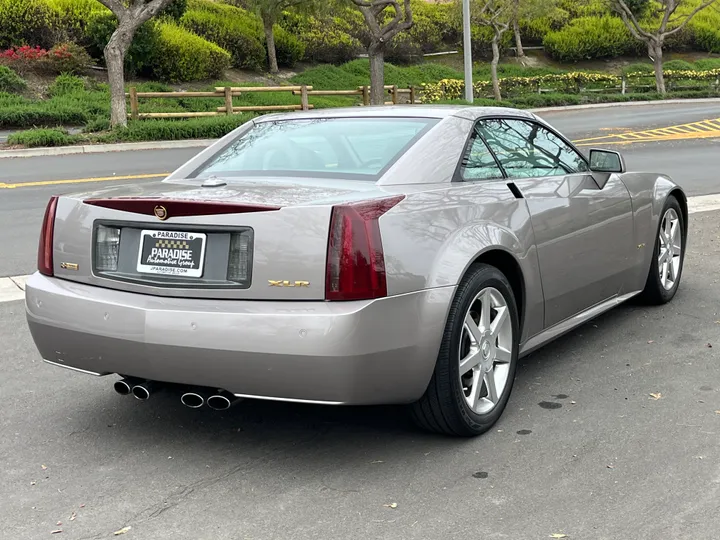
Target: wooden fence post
<point x="304" y="98"/>
<point x="623" y="85"/>
<point x="366" y="95"/>
<point x="412" y="95"/>
<point x="134" y="106"/>
<point x="228" y="100"/>
<point x="394" y="94"/>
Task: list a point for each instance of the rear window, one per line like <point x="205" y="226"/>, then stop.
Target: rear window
<point x="356" y="148"/>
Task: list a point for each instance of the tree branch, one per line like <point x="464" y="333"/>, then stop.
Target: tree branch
<point x="694" y="12"/>
<point x="116" y="6"/>
<point x="631" y="22"/>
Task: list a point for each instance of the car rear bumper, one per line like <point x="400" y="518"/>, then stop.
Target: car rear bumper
<point x="364" y="352"/>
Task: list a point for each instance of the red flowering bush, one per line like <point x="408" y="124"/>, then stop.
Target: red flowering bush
<point x="63" y="58"/>
<point x="23" y="59"/>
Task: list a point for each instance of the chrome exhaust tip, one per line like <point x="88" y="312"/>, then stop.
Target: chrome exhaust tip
<point x="142" y="390"/>
<point x="124" y="386"/>
<point x="222" y="401"/>
<point x="193" y="400"/>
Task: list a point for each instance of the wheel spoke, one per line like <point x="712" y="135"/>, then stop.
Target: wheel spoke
<point x="500" y="318"/>
<point x="474" y="396"/>
<point x="663" y="273"/>
<point x="489" y="379"/>
<point x="663" y="255"/>
<point x="502" y="356"/>
<point x="470" y="361"/>
<point x="485" y="311"/>
<point x="473" y="331"/>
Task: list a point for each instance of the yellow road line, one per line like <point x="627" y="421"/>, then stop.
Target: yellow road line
<point x="676" y="137"/>
<point x="81" y="180"/>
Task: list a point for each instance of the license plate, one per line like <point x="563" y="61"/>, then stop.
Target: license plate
<point x="172" y="253"/>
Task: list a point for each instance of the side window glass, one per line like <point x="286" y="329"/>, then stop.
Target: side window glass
<point x="526" y="149"/>
<point x="479" y="163"/>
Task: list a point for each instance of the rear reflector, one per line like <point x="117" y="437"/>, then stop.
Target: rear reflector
<point x="107" y="248"/>
<point x="239" y="259"/>
<point x="355" y="258"/>
<point x="164" y="208"/>
<point x="45" y="246"/>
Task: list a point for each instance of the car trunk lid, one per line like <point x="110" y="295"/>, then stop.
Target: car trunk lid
<point x="262" y="239"/>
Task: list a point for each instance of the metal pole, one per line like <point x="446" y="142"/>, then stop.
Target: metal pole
<point x="467" y="52"/>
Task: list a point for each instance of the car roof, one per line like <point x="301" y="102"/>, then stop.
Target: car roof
<point x="468" y="112"/>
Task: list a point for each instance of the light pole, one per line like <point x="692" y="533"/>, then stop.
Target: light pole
<point x="467" y="51"/>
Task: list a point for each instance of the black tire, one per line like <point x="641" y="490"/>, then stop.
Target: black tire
<point x="443" y="408"/>
<point x="655" y="293"/>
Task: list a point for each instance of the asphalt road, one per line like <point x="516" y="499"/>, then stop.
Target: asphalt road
<point x="583" y="449"/>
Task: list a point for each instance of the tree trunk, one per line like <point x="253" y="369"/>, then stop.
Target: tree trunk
<point x="655" y="50"/>
<point x="268" y="23"/>
<point x="115" y="52"/>
<point x="376" y="52"/>
<point x="494" y="65"/>
<point x="518" y="40"/>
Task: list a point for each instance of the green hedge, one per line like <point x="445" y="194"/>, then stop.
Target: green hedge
<point x="41" y="137"/>
<point x="166" y="130"/>
<point x="591" y="37"/>
<point x="73" y="16"/>
<point x="233" y="29"/>
<point x="11" y="81"/>
<point x="179" y="55"/>
<point x="26" y="22"/>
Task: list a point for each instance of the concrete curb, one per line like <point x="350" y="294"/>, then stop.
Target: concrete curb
<point x="104" y="148"/>
<point x="202" y="143"/>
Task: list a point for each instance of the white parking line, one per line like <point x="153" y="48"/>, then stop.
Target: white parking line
<point x="13" y="288"/>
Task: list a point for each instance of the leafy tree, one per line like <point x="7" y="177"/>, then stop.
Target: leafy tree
<point x="131" y="14"/>
<point x="669" y="17"/>
<point x="498" y="15"/>
<point x="382" y="31"/>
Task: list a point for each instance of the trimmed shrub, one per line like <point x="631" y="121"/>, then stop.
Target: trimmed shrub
<point x="66" y="84"/>
<point x="24" y="59"/>
<point x="181" y="55"/>
<point x="11" y="81"/>
<point x="138" y="59"/>
<point x="678" y="65"/>
<point x="26" y="22"/>
<point x="591" y="37"/>
<point x="326" y="40"/>
<point x="232" y="28"/>
<point x="706" y="30"/>
<point x="175" y="10"/>
<point x="707" y="64"/>
<point x="73" y="16"/>
<point x="41" y="137"/>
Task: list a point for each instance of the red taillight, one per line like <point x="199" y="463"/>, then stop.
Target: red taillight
<point x="355" y="259"/>
<point x="45" y="248"/>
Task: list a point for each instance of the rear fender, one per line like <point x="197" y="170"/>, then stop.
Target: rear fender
<point x="477" y="243"/>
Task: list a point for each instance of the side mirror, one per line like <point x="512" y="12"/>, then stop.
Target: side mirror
<point x="606" y="161"/>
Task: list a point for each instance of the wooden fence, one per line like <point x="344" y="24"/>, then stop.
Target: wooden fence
<point x="229" y="92"/>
